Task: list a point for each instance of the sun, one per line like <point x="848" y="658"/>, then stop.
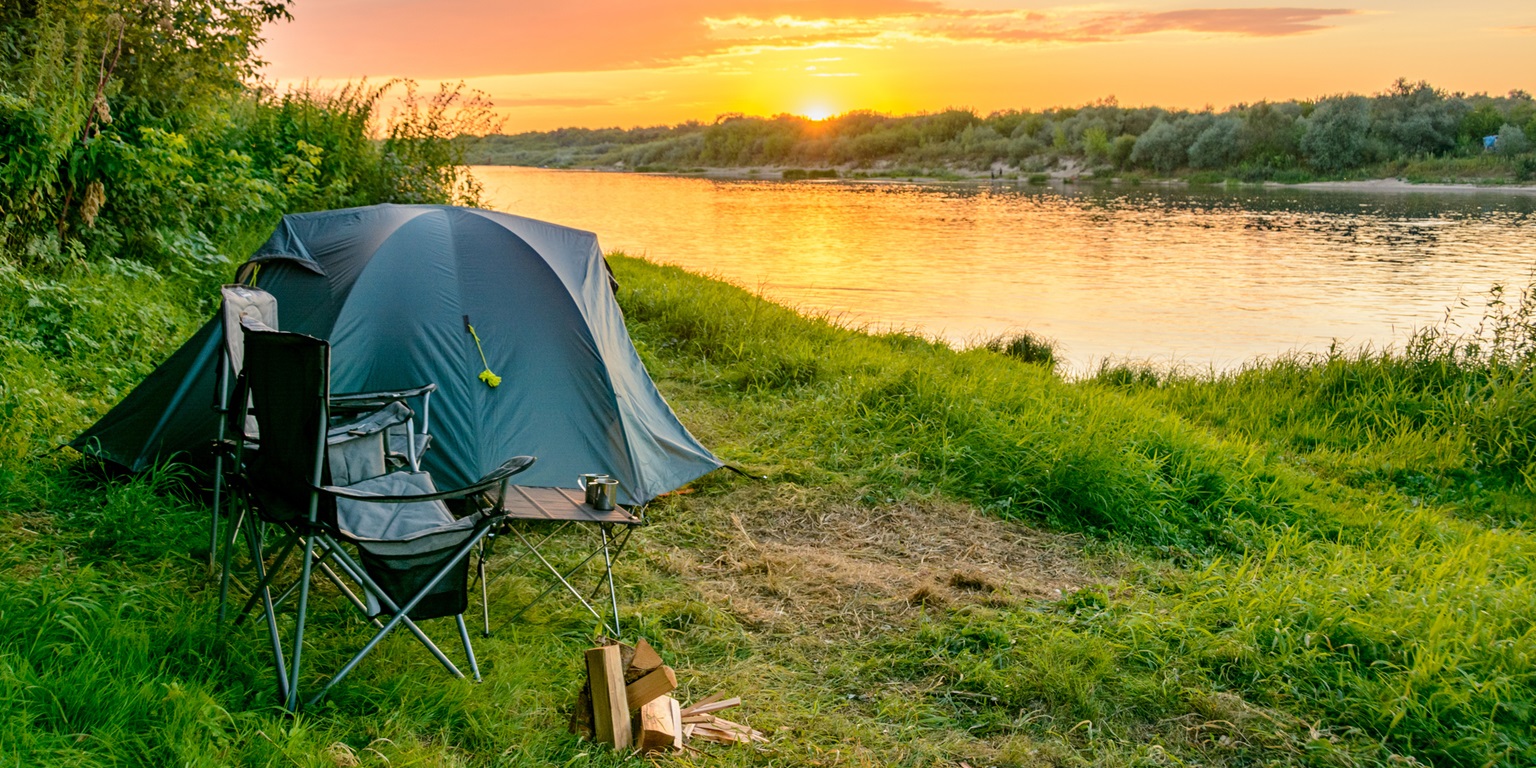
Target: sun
<point x="818" y="112"/>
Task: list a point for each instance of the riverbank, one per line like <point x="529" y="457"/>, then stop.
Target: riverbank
<point x="1069" y="175"/>
<point x="1403" y="185"/>
<point x="958" y="556"/>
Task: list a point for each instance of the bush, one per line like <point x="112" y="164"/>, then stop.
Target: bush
<point x="1337" y="133"/>
<point x="1219" y="145"/>
<point x="1120" y="150"/>
<point x="1160" y="148"/>
<point x="1512" y="140"/>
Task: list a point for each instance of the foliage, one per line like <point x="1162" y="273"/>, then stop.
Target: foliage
<point x="1512" y="140"/>
<point x="1337" y="135"/>
<point x="139" y="135"/>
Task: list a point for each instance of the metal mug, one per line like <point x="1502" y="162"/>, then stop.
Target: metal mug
<point x="584" y="482"/>
<point x="603" y="493"/>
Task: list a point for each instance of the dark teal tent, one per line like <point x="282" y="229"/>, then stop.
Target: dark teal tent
<point x="391" y="287"/>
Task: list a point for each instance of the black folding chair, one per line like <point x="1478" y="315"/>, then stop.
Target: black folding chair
<point x="354" y="418"/>
<point x="412" y="561"/>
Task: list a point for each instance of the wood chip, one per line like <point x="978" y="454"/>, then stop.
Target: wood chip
<point x="712" y="706"/>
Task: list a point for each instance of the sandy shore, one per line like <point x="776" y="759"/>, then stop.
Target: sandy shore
<point x="1398" y="185"/>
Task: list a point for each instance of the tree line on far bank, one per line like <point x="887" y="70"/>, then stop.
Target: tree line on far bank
<point x="1408" y="129"/>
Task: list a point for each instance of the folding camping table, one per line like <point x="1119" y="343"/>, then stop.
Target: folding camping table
<point x="563" y="507"/>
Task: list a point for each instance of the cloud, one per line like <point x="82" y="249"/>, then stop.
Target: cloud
<point x="1018" y="27"/>
<point x="577" y="102"/>
<point x="469" y="38"/>
<point x="433" y="39"/>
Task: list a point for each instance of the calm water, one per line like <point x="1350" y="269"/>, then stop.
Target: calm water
<point x="1196" y="277"/>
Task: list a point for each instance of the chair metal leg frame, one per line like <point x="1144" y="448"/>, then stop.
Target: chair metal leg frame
<point x="253" y="538"/>
<point x="326" y="550"/>
<point x="292" y="704"/>
<point x="229" y="545"/>
<point x="399" y="616"/>
<point x="353" y="571"/>
<point x="287" y="593"/>
<point x="356" y="573"/>
<point x="563" y="579"/>
<point x="263" y="587"/>
<point x="329" y="549"/>
<point x="469" y="650"/>
<point x="213" y="526"/>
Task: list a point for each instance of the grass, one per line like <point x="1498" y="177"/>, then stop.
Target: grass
<point x="958" y="556"/>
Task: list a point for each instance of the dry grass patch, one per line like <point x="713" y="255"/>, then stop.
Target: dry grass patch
<point x="782" y="557"/>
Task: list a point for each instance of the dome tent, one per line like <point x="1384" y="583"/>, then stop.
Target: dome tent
<point x="393" y="289"/>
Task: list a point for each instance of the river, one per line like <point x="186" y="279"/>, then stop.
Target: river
<point x="1202" y="277"/>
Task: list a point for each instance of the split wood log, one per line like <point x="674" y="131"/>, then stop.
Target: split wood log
<point x="644" y="659"/>
<point x="657" y="729"/>
<point x="658" y="682"/>
<point x="675" y="714"/>
<point x="707" y="706"/>
<point x="610" y="707"/>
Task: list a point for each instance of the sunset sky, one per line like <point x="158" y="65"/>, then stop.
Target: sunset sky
<point x="599" y="63"/>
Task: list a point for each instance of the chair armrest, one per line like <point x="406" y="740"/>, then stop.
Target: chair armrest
<point x="496" y="477"/>
<point x="366" y="399"/>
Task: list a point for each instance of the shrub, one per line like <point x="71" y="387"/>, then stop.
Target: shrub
<point x="1219" y="145"/>
<point x="1512" y="140"/>
<point x="1337" y="133"/>
<point x="1160" y="148"/>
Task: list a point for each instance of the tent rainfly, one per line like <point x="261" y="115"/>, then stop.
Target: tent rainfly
<point x="395" y="288"/>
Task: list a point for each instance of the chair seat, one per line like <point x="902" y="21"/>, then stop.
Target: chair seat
<point x="401" y="528"/>
<point x="403" y="543"/>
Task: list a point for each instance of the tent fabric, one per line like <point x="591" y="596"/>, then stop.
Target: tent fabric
<point x="392" y="287"/>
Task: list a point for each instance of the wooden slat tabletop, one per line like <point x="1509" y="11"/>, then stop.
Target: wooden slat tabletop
<point x="530" y="503"/>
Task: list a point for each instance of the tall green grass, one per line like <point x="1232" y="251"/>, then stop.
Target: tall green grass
<point x="1316" y="555"/>
<point x="1330" y="560"/>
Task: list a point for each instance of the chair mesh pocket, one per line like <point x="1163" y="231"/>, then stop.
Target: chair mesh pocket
<point x="402" y="576"/>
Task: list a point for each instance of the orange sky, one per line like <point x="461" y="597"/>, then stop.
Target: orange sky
<point x="615" y="62"/>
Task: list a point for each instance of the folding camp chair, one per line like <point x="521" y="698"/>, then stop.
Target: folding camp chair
<point x="553" y="511"/>
<point x="355" y="414"/>
<point x="412" y="561"/>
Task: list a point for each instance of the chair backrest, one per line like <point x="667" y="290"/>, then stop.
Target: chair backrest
<point x="238" y="302"/>
<point x="289" y="379"/>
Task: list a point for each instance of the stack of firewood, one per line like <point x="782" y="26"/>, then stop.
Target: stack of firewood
<point x="625" y="704"/>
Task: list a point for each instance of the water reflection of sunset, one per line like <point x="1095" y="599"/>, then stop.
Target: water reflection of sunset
<point x="614" y="62"/>
<point x="1210" y="277"/>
